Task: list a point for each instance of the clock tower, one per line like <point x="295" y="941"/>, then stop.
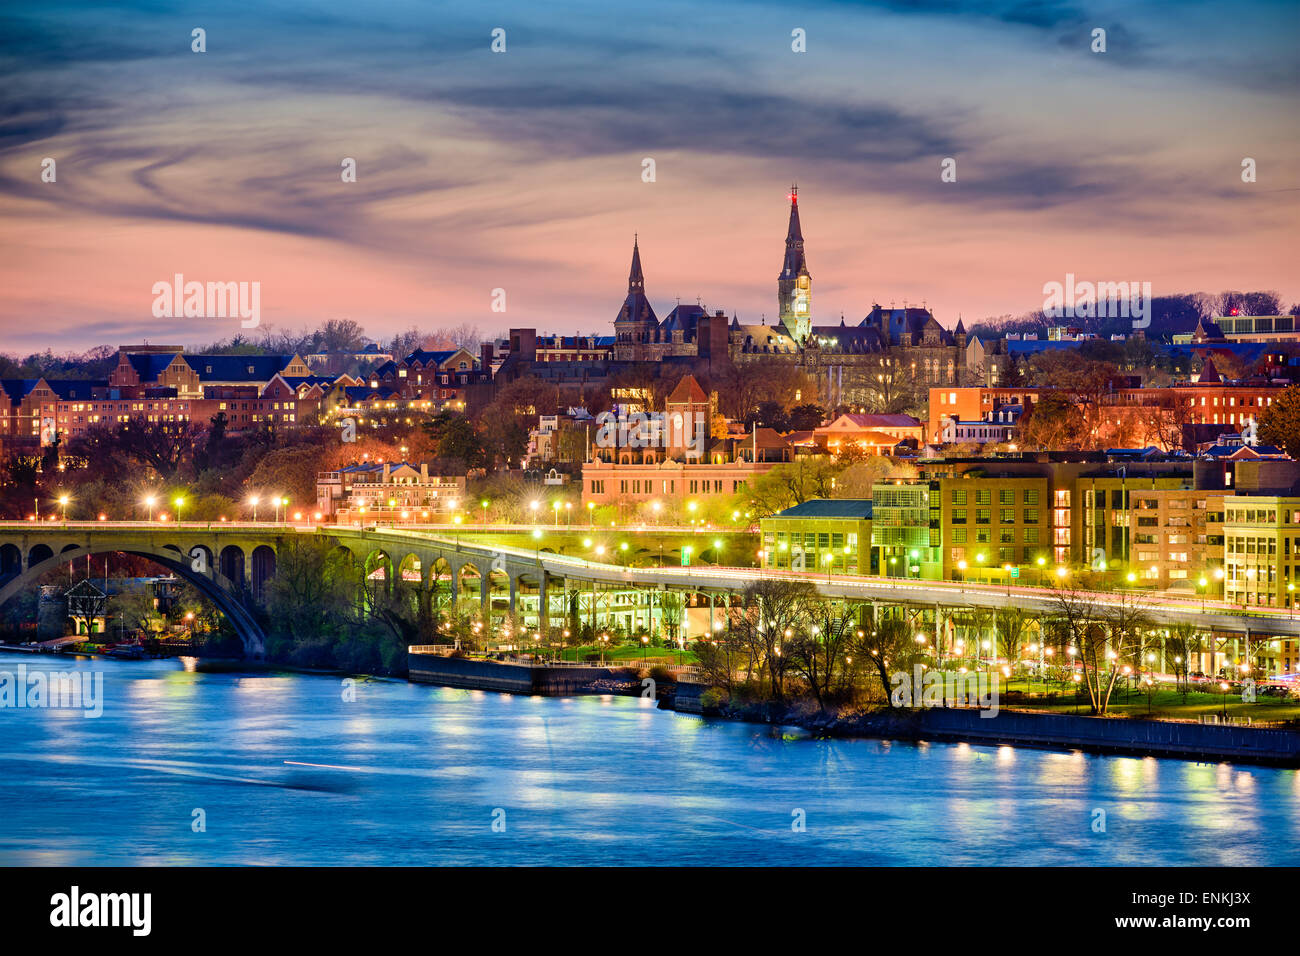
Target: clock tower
<point x="794" y="285"/>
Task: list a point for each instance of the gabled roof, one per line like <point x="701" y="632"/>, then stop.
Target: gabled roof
<point x="429" y="357"/>
<point x="683" y="318"/>
<point x="235" y="368"/>
<point x="687" y="390"/>
<point x="853" y="422"/>
<point x="18" y="388"/>
<point x="859" y="508"/>
<point x="72" y="389"/>
<point x="149" y="365"/>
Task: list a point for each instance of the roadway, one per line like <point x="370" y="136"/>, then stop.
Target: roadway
<point x="1164" y="606"/>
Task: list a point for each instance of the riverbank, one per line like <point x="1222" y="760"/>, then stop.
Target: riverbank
<point x="519" y="678"/>
<point x="1102" y="735"/>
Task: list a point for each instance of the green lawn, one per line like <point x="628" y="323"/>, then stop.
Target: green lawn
<point x="1165" y="702"/>
<point x="629" y="653"/>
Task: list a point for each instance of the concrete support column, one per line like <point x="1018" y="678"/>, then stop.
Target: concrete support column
<point x="514" y="593"/>
<point x="485" y="592"/>
<point x="543" y="604"/>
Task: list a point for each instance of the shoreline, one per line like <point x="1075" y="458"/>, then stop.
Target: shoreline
<point x="1118" y="736"/>
<point x="1105" y="736"/>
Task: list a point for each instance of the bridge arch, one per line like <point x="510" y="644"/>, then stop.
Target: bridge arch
<point x="215" y="586"/>
<point x="263" y="562"/>
<point x="11" y="560"/>
<point x="231" y="565"/>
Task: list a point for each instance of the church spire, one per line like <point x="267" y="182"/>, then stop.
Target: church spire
<point x="794" y="284"/>
<point x="635" y="278"/>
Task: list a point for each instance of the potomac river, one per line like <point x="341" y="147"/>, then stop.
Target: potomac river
<point x="265" y="768"/>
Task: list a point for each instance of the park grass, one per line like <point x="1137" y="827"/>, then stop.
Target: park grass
<point x="628" y="654"/>
<point x="1165" y="702"/>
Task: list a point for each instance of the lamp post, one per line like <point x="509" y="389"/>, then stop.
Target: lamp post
<point x="253" y="500"/>
<point x="150" y="501"/>
<point x="63" y="500"/>
<point x="484" y="503"/>
<point x="178" y="502"/>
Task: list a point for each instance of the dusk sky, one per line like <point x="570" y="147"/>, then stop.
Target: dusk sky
<point x="523" y="170"/>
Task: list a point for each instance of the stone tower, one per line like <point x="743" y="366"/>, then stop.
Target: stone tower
<point x="794" y="285"/>
<point x="636" y="322"/>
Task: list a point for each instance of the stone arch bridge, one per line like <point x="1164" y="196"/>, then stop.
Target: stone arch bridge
<point x="232" y="563"/>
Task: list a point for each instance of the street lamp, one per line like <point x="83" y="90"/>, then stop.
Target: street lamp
<point x="484" y="503"/>
<point x="178" y="503"/>
<point x="253" y="500"/>
<point x="63" y="500"/>
<point x="150" y="501"/>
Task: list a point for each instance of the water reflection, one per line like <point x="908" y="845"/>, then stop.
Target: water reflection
<point x="288" y="772"/>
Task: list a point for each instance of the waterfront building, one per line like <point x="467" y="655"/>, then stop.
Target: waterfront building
<point x="828" y="535"/>
<point x="1261" y="541"/>
<point x="387" y="492"/>
<point x="905" y="540"/>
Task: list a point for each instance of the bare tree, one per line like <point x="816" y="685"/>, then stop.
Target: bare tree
<point x="890" y="645"/>
<point x="770" y="614"/>
<point x="818" y="653"/>
<point x="1101" y="634"/>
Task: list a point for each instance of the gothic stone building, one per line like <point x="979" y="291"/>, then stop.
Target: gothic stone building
<point x="858" y="364"/>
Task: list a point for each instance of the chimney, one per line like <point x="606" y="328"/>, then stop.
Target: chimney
<point x="485" y="356"/>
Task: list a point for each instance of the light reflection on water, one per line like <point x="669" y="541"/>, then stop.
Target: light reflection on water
<point x="409" y="774"/>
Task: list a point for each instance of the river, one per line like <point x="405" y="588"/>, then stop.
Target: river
<point x="184" y="768"/>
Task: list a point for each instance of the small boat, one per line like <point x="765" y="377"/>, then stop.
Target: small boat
<point x="133" y="652"/>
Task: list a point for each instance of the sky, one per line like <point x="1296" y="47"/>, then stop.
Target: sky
<point x="523" y="170"/>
